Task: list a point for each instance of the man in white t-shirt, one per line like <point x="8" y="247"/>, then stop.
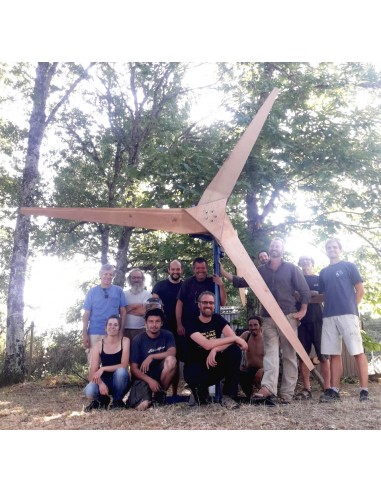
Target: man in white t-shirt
<point x="136" y="297"/>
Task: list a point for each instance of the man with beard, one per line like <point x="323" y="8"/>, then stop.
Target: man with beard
<point x="102" y="301"/>
<point x="214" y="354"/>
<point x="153" y="363"/>
<point x="252" y="361"/>
<point x="136" y="297"/>
<point x="167" y="291"/>
<point x="187" y="305"/>
<point x="282" y="279"/>
<point x="263" y="257"/>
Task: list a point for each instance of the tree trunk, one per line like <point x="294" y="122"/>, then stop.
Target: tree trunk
<point x="104" y="231"/>
<point x="121" y="257"/>
<point x="14" y="364"/>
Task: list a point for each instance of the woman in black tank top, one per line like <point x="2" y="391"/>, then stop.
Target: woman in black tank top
<point x="109" y="368"/>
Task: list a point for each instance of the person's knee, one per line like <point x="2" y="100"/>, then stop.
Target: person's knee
<point x="170" y="363"/>
<point x="91" y="391"/>
<point x="121" y="374"/>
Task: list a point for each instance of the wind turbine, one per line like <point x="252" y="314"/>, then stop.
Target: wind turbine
<point x="208" y="217"/>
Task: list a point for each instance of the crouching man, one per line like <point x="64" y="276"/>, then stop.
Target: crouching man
<point x="214" y="354"/>
<point x="153" y="363"/>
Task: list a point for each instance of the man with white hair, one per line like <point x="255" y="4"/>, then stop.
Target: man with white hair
<point x="136" y="297"/>
<point x="102" y="301"/>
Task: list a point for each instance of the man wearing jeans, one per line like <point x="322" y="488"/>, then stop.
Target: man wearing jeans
<point x="283" y="279"/>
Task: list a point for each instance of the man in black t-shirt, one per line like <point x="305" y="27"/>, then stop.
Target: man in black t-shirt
<point x="310" y="328"/>
<point x="211" y="358"/>
<point x="187" y="299"/>
<point x="167" y="290"/>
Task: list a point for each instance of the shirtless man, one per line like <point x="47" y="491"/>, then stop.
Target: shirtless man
<point x="251" y="370"/>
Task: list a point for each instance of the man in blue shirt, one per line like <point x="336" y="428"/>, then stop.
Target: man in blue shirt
<point x="102" y="301"/>
<point x="343" y="290"/>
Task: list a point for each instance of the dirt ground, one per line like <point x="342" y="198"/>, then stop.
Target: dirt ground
<point x="56" y="405"/>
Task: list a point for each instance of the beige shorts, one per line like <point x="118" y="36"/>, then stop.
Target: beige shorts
<point x="338" y="328"/>
<point x="93" y="341"/>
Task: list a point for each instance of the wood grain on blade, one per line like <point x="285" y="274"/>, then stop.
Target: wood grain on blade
<point x="170" y="220"/>
<point x="224" y="181"/>
<point x="242" y="261"/>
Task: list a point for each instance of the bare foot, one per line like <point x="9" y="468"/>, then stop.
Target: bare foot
<point x="263" y="393"/>
<point x="143" y="405"/>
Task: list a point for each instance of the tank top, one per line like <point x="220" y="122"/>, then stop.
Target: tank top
<point x="111" y="359"/>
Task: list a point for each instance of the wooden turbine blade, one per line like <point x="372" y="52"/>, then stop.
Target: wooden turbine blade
<point x="171" y="220"/>
<point x="225" y="234"/>
<point x="224" y="181"/>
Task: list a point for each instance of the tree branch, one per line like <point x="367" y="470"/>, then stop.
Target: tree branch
<point x="67" y="94"/>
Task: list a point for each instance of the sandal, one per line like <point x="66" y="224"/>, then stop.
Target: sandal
<point x="305" y="394"/>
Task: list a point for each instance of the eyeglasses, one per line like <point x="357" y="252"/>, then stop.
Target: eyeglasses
<point x="207" y="302"/>
<point x="105" y="293"/>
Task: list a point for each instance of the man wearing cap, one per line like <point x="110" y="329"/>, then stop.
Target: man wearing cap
<point x="309" y="330"/>
<point x="152" y="362"/>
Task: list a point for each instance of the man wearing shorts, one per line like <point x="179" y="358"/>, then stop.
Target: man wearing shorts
<point x="343" y="289"/>
<point x="309" y="330"/>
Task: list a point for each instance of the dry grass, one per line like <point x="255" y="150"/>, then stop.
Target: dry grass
<point x="54" y="405"/>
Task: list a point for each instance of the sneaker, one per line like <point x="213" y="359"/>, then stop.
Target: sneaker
<point x="104" y="402"/>
<point x="364" y="395"/>
<point x="201" y="396"/>
<point x="229" y="403"/>
<point x="305" y="394"/>
<point x="159" y="397"/>
<point x="117" y="404"/>
<point x="329" y="395"/>
<point x="92" y="406"/>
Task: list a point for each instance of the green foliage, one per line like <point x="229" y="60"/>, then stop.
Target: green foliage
<point x="370" y="345"/>
<point x="55" y="353"/>
<point x="127" y="139"/>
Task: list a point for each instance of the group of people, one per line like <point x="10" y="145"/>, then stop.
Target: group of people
<point x="136" y="340"/>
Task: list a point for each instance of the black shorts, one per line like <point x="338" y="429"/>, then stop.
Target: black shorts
<point x="310" y="334"/>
